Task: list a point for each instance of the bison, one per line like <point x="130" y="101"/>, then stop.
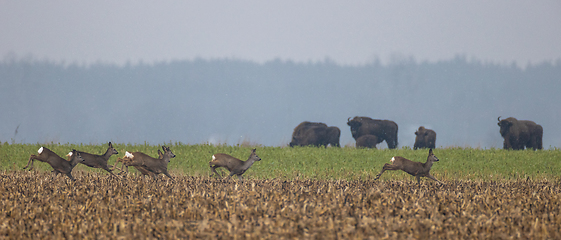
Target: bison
<point x="518" y="134"/>
<point x="382" y="129"/>
<point x="426" y="138"/>
<point x="367" y="141"/>
<point x="315" y="134"/>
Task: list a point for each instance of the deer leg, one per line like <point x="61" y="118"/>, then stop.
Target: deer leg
<point x="70" y="176"/>
<point x="379" y="174"/>
<point x="167" y="174"/>
<point x="31" y="161"/>
<point x="230" y="175"/>
<point x="386" y="167"/>
<point x="120" y="172"/>
<point x="122" y="165"/>
<point x="215" y="172"/>
<point x="120" y="160"/>
<point x="154" y="176"/>
<point x="433" y="178"/>
<point x="106" y="168"/>
<point x="110" y="171"/>
<point x="125" y="167"/>
<point x="240" y="178"/>
<point x="114" y="166"/>
<point x="418" y="180"/>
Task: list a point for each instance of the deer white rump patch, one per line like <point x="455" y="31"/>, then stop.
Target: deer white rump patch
<point x="393" y="159"/>
<point x="213" y="157"/>
<point x="40" y="150"/>
<point x="69" y="154"/>
<point x="128" y="154"/>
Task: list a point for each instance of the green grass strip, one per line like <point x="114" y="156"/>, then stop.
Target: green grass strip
<point x="320" y="163"/>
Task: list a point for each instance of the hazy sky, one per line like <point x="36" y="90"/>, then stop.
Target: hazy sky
<point x="348" y="32"/>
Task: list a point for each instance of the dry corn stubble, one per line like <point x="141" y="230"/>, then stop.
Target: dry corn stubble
<point x="38" y="205"/>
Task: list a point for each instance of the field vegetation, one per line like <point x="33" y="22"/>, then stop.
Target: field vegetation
<point x="320" y="163"/>
<point x="292" y="193"/>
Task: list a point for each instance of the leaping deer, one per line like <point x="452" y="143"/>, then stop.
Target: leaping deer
<point x="60" y="165"/>
<point x="234" y="165"/>
<point x="416" y="169"/>
<point x="97" y="161"/>
<point x="153" y="165"/>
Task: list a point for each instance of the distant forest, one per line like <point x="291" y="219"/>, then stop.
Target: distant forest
<point x="234" y="101"/>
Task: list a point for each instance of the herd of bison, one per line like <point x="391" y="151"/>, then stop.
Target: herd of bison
<point x="368" y="132"/>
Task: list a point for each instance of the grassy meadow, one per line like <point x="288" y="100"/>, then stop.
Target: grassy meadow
<point x="346" y="163"/>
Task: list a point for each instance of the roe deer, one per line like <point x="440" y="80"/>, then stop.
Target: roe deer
<point x="234" y="165"/>
<point x="416" y="169"/>
<point x="97" y="161"/>
<point x="153" y="165"/>
<point x="60" y="165"/>
<point x="126" y="160"/>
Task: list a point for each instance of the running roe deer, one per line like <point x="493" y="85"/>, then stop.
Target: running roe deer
<point x="60" y="165"/>
<point x="416" y="169"/>
<point x="234" y="165"/>
<point x="97" y="161"/>
<point x="153" y="165"/>
<point x="126" y="160"/>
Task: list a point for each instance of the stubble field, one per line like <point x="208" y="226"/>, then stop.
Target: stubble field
<point x="36" y="205"/>
<point x="292" y="193"/>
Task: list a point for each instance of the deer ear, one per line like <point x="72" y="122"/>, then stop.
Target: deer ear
<point x="253" y="150"/>
<point x="111" y="145"/>
<point x="416" y="133"/>
<point x="430" y="151"/>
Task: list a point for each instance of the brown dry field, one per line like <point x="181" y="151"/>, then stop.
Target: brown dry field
<point x="36" y="205"/>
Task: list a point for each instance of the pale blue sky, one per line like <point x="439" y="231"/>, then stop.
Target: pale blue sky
<point x="348" y="32"/>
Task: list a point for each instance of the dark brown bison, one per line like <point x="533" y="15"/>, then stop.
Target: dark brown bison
<point x="367" y="141"/>
<point x="426" y="138"/>
<point x="518" y="134"/>
<point x="382" y="129"/>
<point x="315" y="134"/>
<point x="333" y="135"/>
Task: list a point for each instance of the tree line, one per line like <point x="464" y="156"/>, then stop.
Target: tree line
<point x="229" y="100"/>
